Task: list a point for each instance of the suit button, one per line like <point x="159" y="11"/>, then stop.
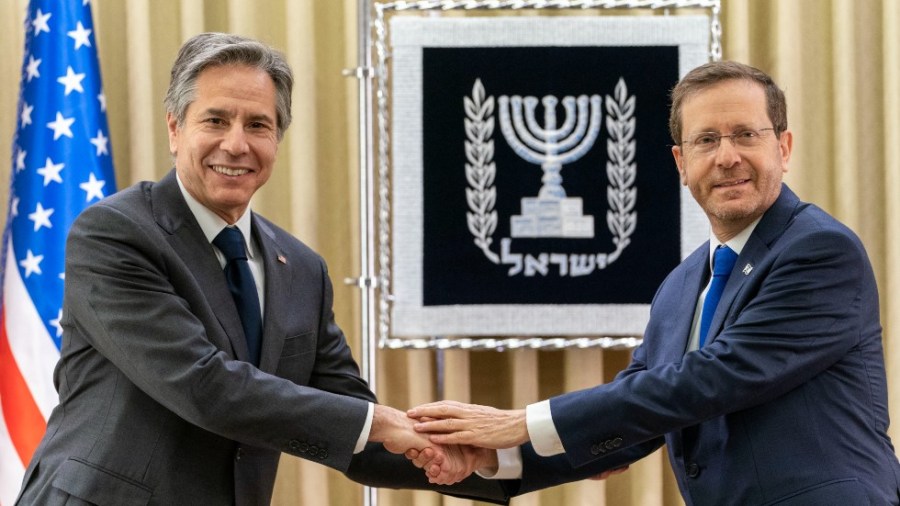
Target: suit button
<point x="323" y="454"/>
<point x="595" y="449"/>
<point x="693" y="470"/>
<point x="617" y="442"/>
<point x="303" y="447"/>
<point x="238" y="453"/>
<point x="293" y="444"/>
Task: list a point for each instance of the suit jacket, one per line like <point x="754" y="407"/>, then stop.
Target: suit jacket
<point x="157" y="402"/>
<point x="787" y="404"/>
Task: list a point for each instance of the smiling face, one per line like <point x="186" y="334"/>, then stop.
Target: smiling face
<point x="733" y="185"/>
<point x="225" y="148"/>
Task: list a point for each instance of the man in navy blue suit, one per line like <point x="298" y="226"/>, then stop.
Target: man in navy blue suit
<point x="775" y="394"/>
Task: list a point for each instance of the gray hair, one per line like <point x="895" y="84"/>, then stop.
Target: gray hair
<point x="214" y="49"/>
<point x="710" y="74"/>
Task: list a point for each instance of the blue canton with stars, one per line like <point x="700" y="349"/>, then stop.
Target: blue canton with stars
<point x="61" y="153"/>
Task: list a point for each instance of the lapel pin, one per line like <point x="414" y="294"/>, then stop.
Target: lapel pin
<point x="282" y="259"/>
<point x="747" y="269"/>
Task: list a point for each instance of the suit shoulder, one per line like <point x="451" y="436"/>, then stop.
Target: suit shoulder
<point x="813" y="235"/>
<point x="286" y="240"/>
<point x="128" y="199"/>
<point x="131" y="201"/>
<point x="813" y="222"/>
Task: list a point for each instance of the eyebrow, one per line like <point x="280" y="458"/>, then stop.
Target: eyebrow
<point x="734" y="128"/>
<point x="227" y="114"/>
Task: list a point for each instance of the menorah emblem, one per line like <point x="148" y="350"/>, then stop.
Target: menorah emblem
<point x="551" y="213"/>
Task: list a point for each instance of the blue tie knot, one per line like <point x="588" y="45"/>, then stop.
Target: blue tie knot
<point x="230" y="242"/>
<point x="723" y="261"/>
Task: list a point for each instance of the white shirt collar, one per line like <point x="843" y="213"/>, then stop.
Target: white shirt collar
<point x="212" y="224"/>
<point x="736" y="243"/>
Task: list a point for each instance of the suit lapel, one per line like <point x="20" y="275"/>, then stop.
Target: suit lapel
<point x="773" y="223"/>
<point x="278" y="294"/>
<point x="694" y="278"/>
<point x="187" y="239"/>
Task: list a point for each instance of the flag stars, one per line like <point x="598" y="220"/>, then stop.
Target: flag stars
<point x="50" y="171"/>
<point x="32" y="68"/>
<point x="101" y="142"/>
<point x="62" y="126"/>
<point x="40" y="22"/>
<point x="93" y="187"/>
<point x="55" y="323"/>
<point x="31" y="263"/>
<point x="71" y="81"/>
<point x="26" y="114"/>
<point x="20" y="160"/>
<point x="45" y="196"/>
<point x="81" y="36"/>
<point x="41" y="217"/>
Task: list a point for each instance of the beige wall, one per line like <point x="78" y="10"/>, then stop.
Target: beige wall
<point x="838" y="61"/>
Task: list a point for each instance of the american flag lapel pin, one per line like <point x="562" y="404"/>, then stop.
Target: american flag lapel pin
<point x="747" y="269"/>
<point x="282" y="259"/>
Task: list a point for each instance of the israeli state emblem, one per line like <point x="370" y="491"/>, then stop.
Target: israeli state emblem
<point x="568" y="129"/>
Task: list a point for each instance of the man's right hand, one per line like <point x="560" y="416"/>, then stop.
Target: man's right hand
<point x="460" y="461"/>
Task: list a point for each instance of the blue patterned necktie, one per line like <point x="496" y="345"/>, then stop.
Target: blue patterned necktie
<point x="723" y="262"/>
<point x="230" y="242"/>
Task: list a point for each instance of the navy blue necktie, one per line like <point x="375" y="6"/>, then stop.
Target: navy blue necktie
<point x="723" y="262"/>
<point x="230" y="242"/>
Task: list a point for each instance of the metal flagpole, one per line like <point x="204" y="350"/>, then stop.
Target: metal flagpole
<point x="366" y="280"/>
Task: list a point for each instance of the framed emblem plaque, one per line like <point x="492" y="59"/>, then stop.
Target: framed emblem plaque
<point x="531" y="194"/>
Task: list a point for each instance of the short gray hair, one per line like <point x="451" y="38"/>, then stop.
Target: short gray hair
<point x="215" y="49"/>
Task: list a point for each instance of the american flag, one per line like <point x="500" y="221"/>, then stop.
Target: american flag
<point x="61" y="163"/>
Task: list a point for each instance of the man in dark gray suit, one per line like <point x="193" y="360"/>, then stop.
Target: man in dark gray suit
<point x="777" y="394"/>
<point x="177" y="383"/>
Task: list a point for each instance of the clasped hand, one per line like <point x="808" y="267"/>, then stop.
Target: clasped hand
<point x="444" y="464"/>
<point x="470" y="432"/>
<point x="456" y="439"/>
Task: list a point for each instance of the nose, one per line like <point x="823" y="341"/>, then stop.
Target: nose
<point x="727" y="154"/>
<point x="234" y="142"/>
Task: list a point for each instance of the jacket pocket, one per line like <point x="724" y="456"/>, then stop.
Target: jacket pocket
<point x="88" y="482"/>
<point x="298" y="358"/>
<point x="299" y="344"/>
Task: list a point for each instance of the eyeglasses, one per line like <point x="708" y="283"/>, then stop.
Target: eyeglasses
<point x="708" y="142"/>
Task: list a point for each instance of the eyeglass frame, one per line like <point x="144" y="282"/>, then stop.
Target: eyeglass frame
<point x="732" y="137"/>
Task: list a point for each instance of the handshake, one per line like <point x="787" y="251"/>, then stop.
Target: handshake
<point x="449" y="440"/>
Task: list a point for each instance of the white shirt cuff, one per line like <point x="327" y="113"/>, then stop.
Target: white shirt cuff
<point x="541" y="429"/>
<point x="367" y="428"/>
<point x="509" y="465"/>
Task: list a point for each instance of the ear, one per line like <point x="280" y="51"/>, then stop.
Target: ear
<point x="172" y="124"/>
<point x="679" y="164"/>
<point x="785" y="146"/>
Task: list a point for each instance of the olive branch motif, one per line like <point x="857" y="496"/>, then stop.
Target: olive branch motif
<point x="480" y="169"/>
<point x="620" y="170"/>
